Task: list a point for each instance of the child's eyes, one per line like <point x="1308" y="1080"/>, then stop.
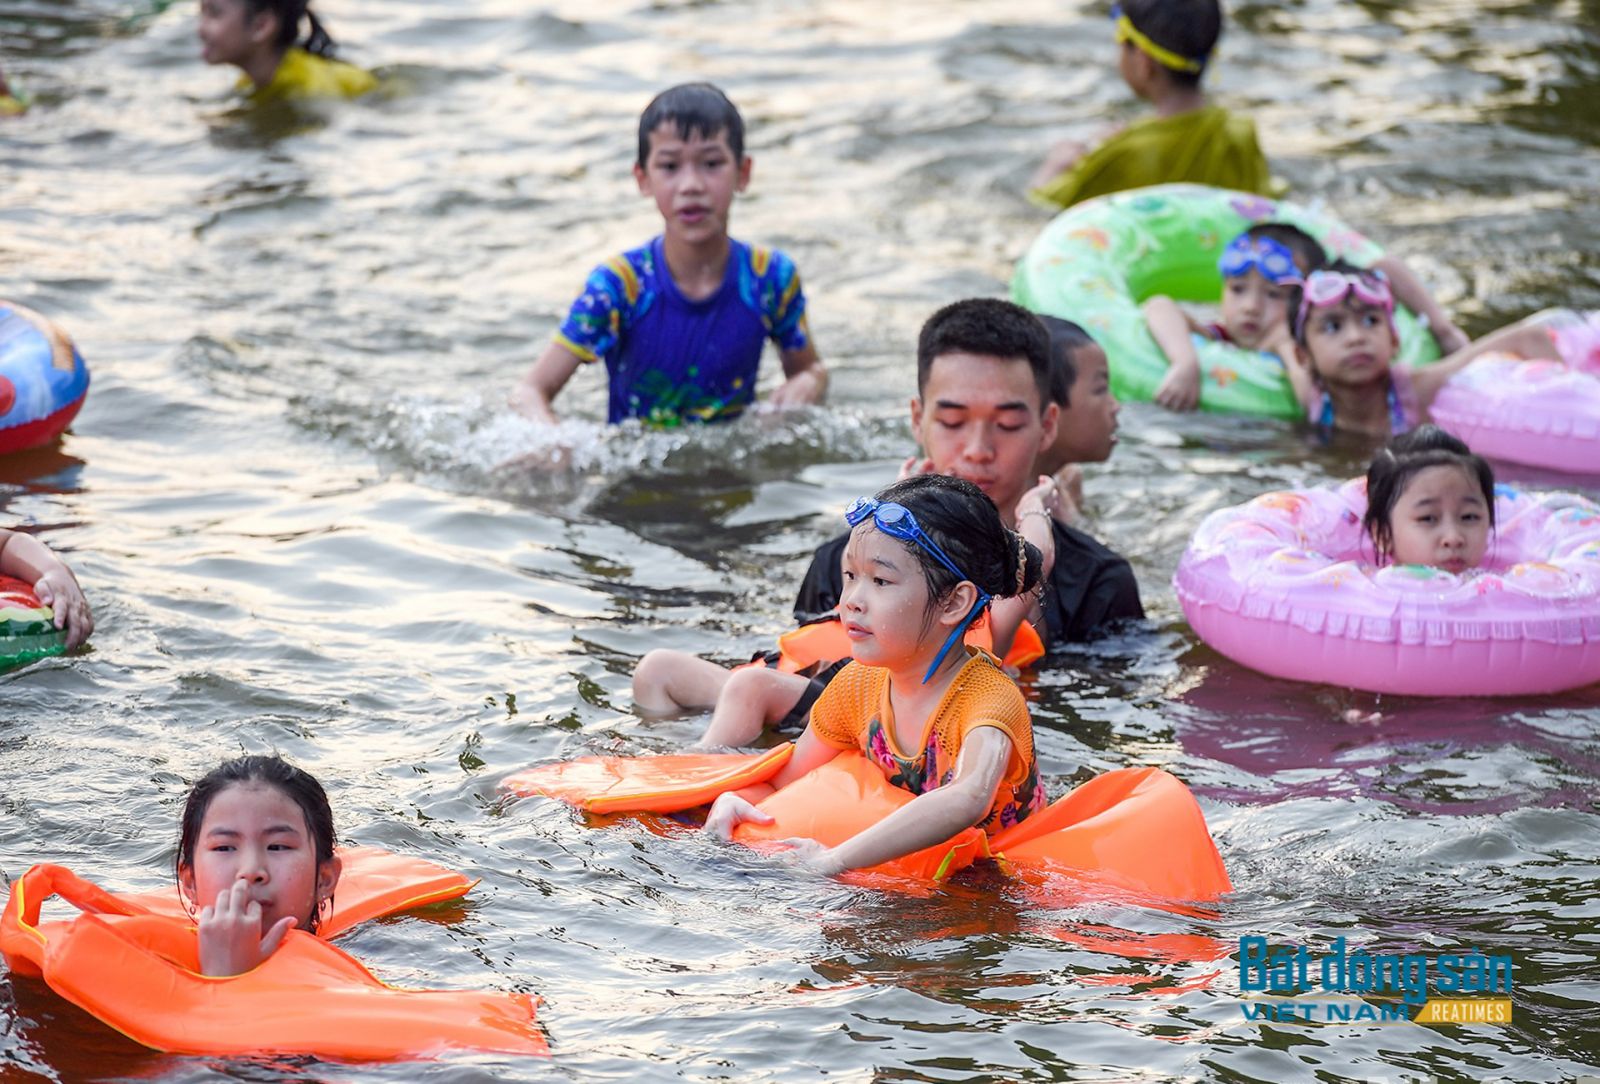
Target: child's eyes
<point x="1010" y="428"/>
<point x="879" y="581"/>
<point x="1330" y="326"/>
<point x="849" y="577"/>
<point x="1369" y="319"/>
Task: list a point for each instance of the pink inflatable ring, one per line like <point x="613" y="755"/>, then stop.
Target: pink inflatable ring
<point x="1286" y="584"/>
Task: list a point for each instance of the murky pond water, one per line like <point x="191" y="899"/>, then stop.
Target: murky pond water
<point x="286" y="500"/>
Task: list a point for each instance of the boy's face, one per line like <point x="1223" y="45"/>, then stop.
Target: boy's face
<point x="979" y="418"/>
<point x="1254" y="308"/>
<point x="693" y="180"/>
<point x="1087" y="429"/>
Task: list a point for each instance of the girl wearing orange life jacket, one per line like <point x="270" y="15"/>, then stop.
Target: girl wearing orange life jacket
<point x="940" y="719"/>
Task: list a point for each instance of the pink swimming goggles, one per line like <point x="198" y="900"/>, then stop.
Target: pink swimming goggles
<point x="1324" y="288"/>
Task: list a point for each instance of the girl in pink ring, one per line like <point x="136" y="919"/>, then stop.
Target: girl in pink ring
<point x="1345" y="342"/>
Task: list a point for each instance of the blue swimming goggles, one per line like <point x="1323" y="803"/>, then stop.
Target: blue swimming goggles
<point x="896" y="521"/>
<point x="1272" y="258"/>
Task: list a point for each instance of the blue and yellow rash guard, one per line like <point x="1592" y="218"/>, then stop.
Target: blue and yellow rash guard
<point x="670" y="359"/>
<point x="303" y="75"/>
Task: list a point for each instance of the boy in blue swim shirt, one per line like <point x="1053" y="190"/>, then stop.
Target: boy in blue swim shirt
<point x="680" y="322"/>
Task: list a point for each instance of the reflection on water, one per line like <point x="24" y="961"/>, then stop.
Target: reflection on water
<point x="307" y="524"/>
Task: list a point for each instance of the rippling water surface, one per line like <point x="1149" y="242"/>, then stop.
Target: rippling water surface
<point x="290" y="501"/>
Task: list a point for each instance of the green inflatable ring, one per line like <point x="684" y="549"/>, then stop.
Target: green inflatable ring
<point x="1096" y="262"/>
<point x="27" y="626"/>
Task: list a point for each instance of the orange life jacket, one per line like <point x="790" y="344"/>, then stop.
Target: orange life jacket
<point x="1134" y="829"/>
<point x="137" y="970"/>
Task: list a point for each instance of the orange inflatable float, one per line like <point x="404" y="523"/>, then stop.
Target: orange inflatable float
<point x="664" y="784"/>
<point x="1134" y="829"/>
<point x="134" y="965"/>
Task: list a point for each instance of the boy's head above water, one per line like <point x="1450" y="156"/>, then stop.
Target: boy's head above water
<point x="1260" y="269"/>
<point x="1165" y="41"/>
<point x="983" y="410"/>
<point x="1430" y="501"/>
<point x="691" y="161"/>
<point x="1080" y="385"/>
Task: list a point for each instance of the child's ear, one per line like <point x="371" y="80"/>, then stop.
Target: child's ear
<point x="263" y="27"/>
<point x="1051" y="419"/>
<point x="744" y="172"/>
<point x="642" y="179"/>
<point x="186" y="882"/>
<point x="328" y="877"/>
<point x="958" y="603"/>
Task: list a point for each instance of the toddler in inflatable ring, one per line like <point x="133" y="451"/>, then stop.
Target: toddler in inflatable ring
<point x="1345" y="342"/>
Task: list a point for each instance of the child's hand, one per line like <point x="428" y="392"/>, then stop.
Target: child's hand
<point x="1070" y="480"/>
<point x="1060" y="158"/>
<point x="914" y="466"/>
<point x="231" y="942"/>
<point x="813" y="856"/>
<point x="728" y="812"/>
<point x="802" y="389"/>
<point x="1180" y="388"/>
<point x="58" y="590"/>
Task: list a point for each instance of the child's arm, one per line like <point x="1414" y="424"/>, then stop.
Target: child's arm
<point x="532" y="396"/>
<point x="734" y="808"/>
<point x="805" y="378"/>
<point x="1171" y="327"/>
<point x="26" y="558"/>
<point x="1282" y="345"/>
<point x="930" y="818"/>
<point x="1528" y="338"/>
<point x="1035" y="511"/>
<point x="1409" y="291"/>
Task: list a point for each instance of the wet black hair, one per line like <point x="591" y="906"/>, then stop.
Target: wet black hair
<point x="289" y="13"/>
<point x="1401" y="460"/>
<point x="987" y="327"/>
<point x="694" y="109"/>
<point x="1309" y="254"/>
<point x="297" y="784"/>
<point x="962" y="519"/>
<point x="1189" y="28"/>
<point x="1065" y="340"/>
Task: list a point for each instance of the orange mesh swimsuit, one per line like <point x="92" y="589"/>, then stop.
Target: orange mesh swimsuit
<point x="854" y="713"/>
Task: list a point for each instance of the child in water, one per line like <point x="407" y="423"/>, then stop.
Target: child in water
<point x="28" y="559"/>
<point x="681" y="321"/>
<point x="256" y="857"/>
<point x="1345" y="342"/>
<point x="1260" y="270"/>
<point x="258" y="37"/>
<point x="1086" y="427"/>
<point x="1430" y="501"/>
<point x="942" y="720"/>
<point x="1164" y="48"/>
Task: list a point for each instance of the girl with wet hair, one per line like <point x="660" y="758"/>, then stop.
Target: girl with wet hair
<point x="1430" y="501"/>
<point x="262" y="39"/>
<point x="942" y="720"/>
<point x="255" y="857"/>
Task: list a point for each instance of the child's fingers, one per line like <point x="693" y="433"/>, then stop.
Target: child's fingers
<point x="280" y="930"/>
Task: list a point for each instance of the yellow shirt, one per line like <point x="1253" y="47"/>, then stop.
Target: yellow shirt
<point x="854" y="712"/>
<point x="1206" y="146"/>
<point x="303" y="75"/>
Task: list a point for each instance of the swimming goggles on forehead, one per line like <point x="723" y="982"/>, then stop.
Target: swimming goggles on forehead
<point x="1272" y="258"/>
<point x="896" y="521"/>
<point x="1127" y="32"/>
<point x="1325" y="288"/>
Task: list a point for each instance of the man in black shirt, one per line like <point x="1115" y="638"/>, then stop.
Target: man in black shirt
<point x="983" y="412"/>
